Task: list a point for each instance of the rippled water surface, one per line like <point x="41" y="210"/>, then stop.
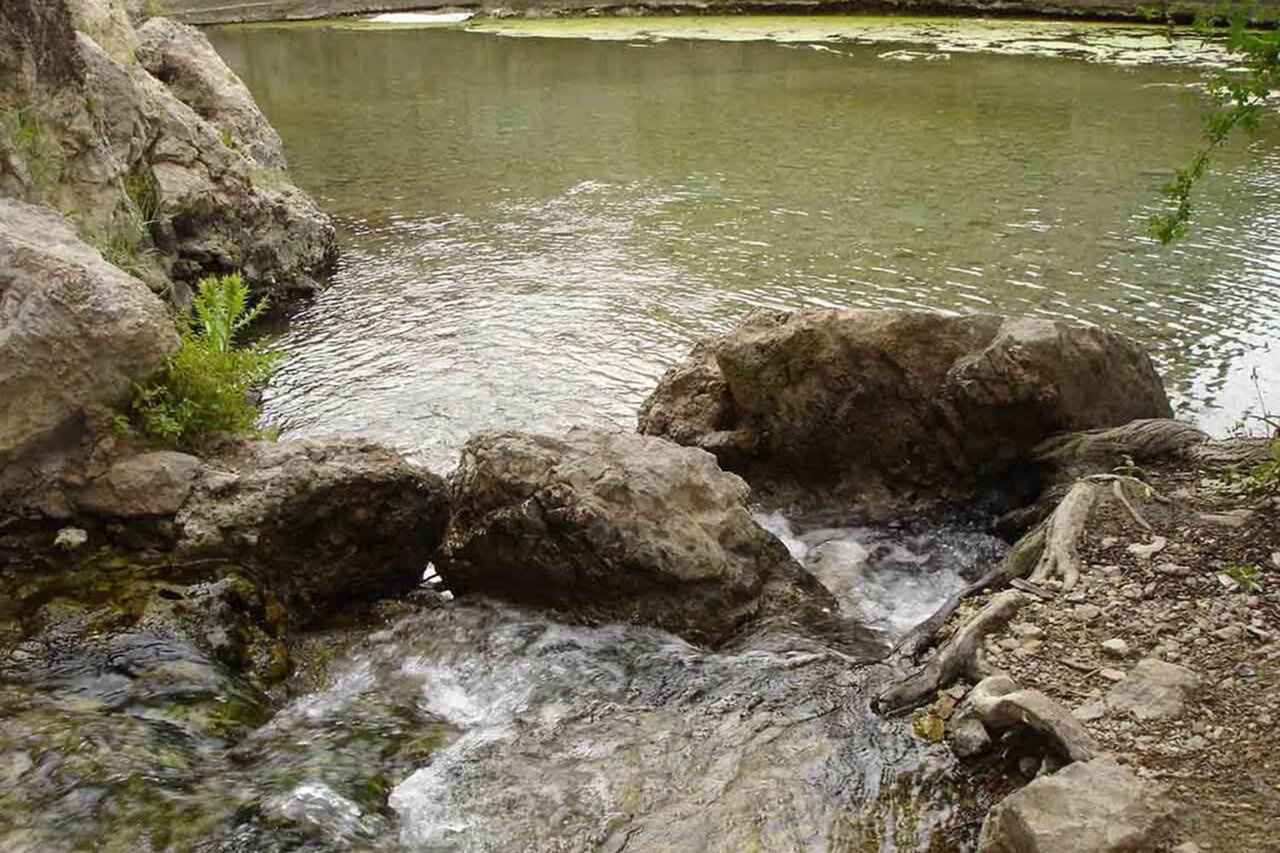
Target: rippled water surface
<point x="536" y="227"/>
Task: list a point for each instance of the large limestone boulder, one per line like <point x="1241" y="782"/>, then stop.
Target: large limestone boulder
<point x="182" y="58"/>
<point x="176" y="181"/>
<point x="321" y="520"/>
<point x="607" y="526"/>
<point x="893" y="402"/>
<point x="75" y="333"/>
<point x="1089" y="807"/>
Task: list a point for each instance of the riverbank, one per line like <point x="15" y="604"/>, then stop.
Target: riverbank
<point x="1167" y="651"/>
<point x="235" y="11"/>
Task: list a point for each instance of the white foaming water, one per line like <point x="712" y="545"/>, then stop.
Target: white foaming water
<point x="890" y="580"/>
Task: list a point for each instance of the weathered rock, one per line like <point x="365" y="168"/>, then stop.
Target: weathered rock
<point x="151" y="179"/>
<point x="182" y="58"/>
<point x="871" y="402"/>
<point x="1046" y="717"/>
<point x="148" y="484"/>
<point x="1088" y="807"/>
<point x="75" y="333"/>
<point x="606" y="526"/>
<point x="321" y="520"/>
<point x="1153" y="690"/>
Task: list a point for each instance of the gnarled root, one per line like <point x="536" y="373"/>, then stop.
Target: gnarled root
<point x="959" y="656"/>
<point x="1062" y="531"/>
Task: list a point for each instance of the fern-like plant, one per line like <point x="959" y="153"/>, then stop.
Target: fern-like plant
<point x="203" y="392"/>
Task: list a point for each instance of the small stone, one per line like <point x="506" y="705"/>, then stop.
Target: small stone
<point x="1275" y="559"/>
<point x="968" y="737"/>
<point x="1195" y="743"/>
<point x="1112" y="572"/>
<point x="1110" y="541"/>
<point x="1149" y="550"/>
<point x="1086" y="612"/>
<point x="1154" y="690"/>
<point x="1173" y="569"/>
<point x="1112" y="674"/>
<point x="1232" y="519"/>
<point x="1116" y="647"/>
<point x="1090" y="711"/>
<point x="1132" y="591"/>
<point x="1027" y="631"/>
<point x="1228" y="583"/>
<point x="70" y="538"/>
<point x="1187" y="847"/>
<point x="1245" y="670"/>
<point x="1229" y="633"/>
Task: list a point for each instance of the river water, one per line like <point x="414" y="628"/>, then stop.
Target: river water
<point x="535" y="227"/>
<point x="538" y="218"/>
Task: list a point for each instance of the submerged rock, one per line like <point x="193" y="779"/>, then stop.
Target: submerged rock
<point x="1089" y="807"/>
<point x="894" y="403"/>
<point x="75" y="334"/>
<point x="606" y="526"/>
<point x="322" y="520"/>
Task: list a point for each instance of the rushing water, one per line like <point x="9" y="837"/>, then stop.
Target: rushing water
<point x="536" y="227"/>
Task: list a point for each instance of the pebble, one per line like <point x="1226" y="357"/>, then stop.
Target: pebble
<point x="1173" y="569"/>
<point x="1116" y="647"/>
<point x="70" y="538"/>
<point x="1149" y="550"/>
<point x="1112" y="674"/>
<point x="1232" y="519"/>
<point x="1027" y="631"/>
<point x="1231" y="632"/>
<point x="1086" y="612"/>
<point x="1245" y="670"/>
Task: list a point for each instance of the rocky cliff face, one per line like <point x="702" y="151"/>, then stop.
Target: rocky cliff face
<point x="150" y="143"/>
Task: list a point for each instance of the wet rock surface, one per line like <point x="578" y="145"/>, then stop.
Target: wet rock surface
<point x="608" y="526"/>
<point x="323" y="521"/>
<point x="896" y="403"/>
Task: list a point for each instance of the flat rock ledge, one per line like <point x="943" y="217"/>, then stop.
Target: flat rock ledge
<point x="883" y="403"/>
<point x="603" y="526"/>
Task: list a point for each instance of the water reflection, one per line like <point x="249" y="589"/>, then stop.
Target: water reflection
<point x="536" y="228"/>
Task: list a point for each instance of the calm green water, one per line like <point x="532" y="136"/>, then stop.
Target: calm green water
<point x="536" y="227"/>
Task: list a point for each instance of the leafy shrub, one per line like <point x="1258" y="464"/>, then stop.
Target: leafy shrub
<point x="203" y="391"/>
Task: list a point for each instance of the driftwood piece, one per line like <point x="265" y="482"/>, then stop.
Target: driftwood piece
<point x="959" y="656"/>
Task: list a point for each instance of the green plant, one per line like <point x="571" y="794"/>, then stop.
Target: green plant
<point x="37" y="148"/>
<point x="1236" y="99"/>
<point x="202" y="393"/>
<point x="123" y="246"/>
<point x="1248" y="577"/>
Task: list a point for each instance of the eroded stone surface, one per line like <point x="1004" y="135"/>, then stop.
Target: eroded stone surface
<point x="896" y="402"/>
<point x="608" y="526"/>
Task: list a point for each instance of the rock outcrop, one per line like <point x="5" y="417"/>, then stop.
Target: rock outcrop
<point x="168" y="182"/>
<point x="1088" y="807"/>
<point x="75" y="333"/>
<point x="896" y="403"/>
<point x="606" y="526"/>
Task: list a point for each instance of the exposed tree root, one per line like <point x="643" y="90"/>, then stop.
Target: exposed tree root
<point x="1080" y="470"/>
<point x="959" y="656"/>
<point x="1060" y="556"/>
